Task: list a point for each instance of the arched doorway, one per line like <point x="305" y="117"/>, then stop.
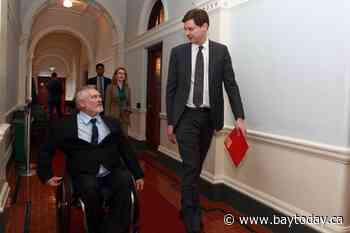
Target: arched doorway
<point x="91" y="9"/>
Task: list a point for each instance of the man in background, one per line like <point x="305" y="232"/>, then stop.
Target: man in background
<point x="54" y="89"/>
<point x="100" y="81"/>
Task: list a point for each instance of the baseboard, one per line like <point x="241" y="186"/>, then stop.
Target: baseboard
<point x="8" y="116"/>
<point x="4" y="193"/>
<point x="247" y="200"/>
<point x="169" y="153"/>
<point x="5" y="159"/>
<point x="136" y="136"/>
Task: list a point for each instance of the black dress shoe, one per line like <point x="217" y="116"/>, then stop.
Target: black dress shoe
<point x="181" y="216"/>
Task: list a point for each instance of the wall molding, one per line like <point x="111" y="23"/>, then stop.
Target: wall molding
<point x="7" y="114"/>
<point x="325" y="151"/>
<point x="6" y="157"/>
<point x="64" y="28"/>
<point x="270" y="201"/>
<point x="210" y="5"/>
<point x="262" y="197"/>
<point x="105" y="60"/>
<point x="171" y="26"/>
<point x="163" y="116"/>
<point x="73" y="11"/>
<point x="138" y="110"/>
<point x="38" y="60"/>
<point x="36" y="7"/>
<point x="6" y="142"/>
<point x="155" y="34"/>
<point x="146" y="12"/>
<point x="117" y="43"/>
<point x="169" y="153"/>
<point x="136" y="136"/>
<point x="4" y="194"/>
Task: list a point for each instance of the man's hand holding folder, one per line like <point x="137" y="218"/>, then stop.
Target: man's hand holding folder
<point x="236" y="145"/>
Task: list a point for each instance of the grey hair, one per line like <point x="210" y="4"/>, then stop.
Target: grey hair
<point x="82" y="94"/>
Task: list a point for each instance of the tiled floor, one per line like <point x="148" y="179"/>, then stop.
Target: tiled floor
<point x="157" y="177"/>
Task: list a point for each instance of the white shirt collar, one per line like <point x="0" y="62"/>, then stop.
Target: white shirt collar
<point x="205" y="44"/>
<point x="85" y="118"/>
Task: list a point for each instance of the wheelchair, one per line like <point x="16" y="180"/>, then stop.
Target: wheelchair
<point x="66" y="199"/>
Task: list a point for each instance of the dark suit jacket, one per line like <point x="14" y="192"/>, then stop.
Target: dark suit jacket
<point x="106" y="81"/>
<point x="220" y="72"/>
<point x="83" y="157"/>
<point x="54" y="89"/>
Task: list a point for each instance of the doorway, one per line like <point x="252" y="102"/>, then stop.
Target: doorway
<point x="154" y="90"/>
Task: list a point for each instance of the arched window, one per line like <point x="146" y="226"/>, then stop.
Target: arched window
<point x="157" y="15"/>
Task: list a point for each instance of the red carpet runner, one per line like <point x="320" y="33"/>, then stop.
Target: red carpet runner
<point x="159" y="204"/>
<point x="157" y="214"/>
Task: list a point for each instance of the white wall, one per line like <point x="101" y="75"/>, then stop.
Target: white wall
<point x="103" y="45"/>
<point x="117" y="13"/>
<point x="291" y="61"/>
<point x="137" y="82"/>
<point x="133" y="19"/>
<point x="10" y="35"/>
<point x="13" y="37"/>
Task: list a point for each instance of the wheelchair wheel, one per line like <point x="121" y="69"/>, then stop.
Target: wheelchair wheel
<point x="63" y="200"/>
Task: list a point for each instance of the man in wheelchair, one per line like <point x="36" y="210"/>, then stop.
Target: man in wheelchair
<point x="94" y="146"/>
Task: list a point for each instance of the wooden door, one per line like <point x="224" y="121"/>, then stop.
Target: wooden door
<point x="154" y="89"/>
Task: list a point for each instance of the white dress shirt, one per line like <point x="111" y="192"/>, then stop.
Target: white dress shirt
<point x="85" y="127"/>
<point x="85" y="133"/>
<point x="205" y="52"/>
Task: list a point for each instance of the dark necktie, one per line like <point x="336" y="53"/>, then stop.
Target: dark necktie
<point x="94" y="135"/>
<point x="198" y="79"/>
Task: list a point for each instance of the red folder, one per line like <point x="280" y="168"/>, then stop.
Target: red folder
<point x="236" y="145"/>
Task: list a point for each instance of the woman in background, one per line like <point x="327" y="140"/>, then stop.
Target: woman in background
<point x="118" y="98"/>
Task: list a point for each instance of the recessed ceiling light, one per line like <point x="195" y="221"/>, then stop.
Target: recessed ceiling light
<point x="67" y="3"/>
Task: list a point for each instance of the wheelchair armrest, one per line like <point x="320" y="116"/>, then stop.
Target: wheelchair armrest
<point x="68" y="184"/>
<point x="65" y="192"/>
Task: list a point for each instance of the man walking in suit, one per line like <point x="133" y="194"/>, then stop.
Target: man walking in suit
<point x="100" y="81"/>
<point x="195" y="105"/>
<point x="54" y="90"/>
<point x="94" y="146"/>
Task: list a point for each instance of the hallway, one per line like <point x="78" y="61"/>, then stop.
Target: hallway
<point x="289" y="59"/>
